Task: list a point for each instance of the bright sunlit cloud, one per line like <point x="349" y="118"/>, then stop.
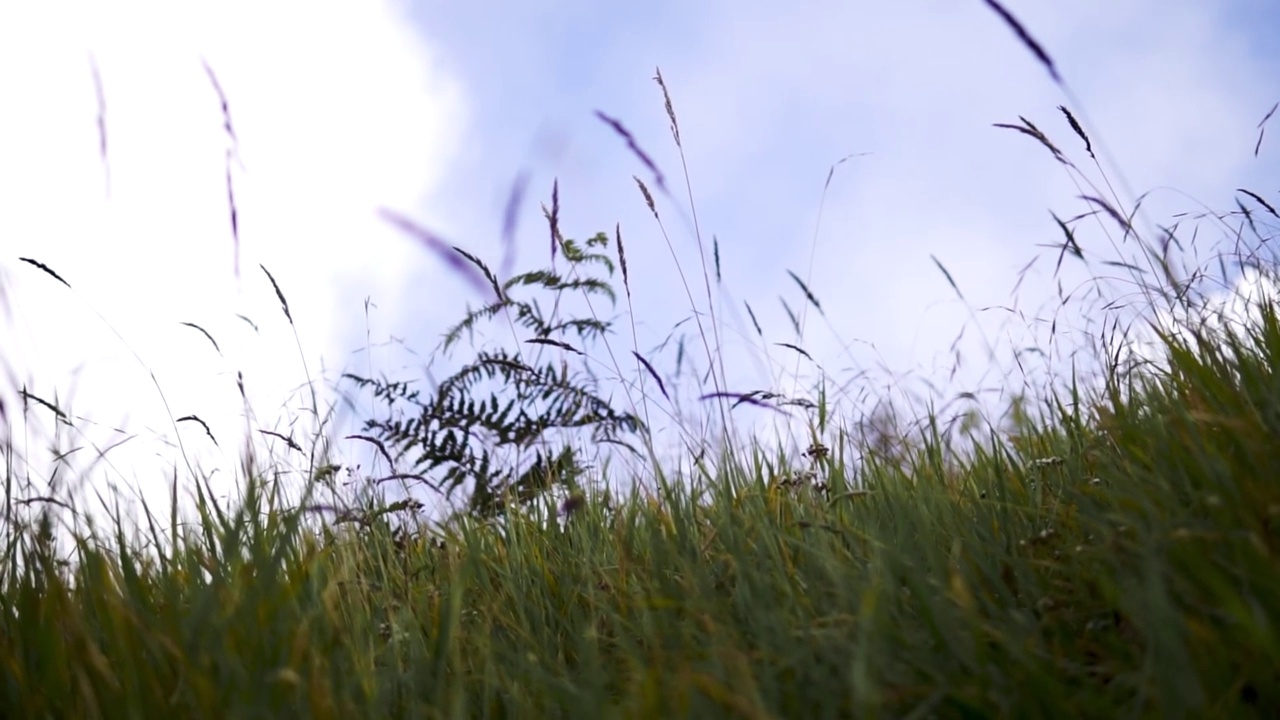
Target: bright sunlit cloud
<point x="337" y="108"/>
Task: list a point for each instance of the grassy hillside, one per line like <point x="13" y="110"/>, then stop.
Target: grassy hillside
<point x="1113" y="549"/>
<point x="1120" y="558"/>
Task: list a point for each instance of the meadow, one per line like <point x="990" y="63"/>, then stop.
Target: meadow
<point x="1109" y="547"/>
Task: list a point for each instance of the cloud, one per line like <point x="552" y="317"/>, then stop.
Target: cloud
<point x="337" y="109"/>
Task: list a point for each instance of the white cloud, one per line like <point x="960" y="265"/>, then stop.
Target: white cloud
<point x="1234" y="310"/>
<point x="338" y="108"/>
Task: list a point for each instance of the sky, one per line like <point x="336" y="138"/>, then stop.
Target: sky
<point x="342" y="109"/>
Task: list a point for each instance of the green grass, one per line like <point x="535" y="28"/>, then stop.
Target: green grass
<point x="1117" y="562"/>
<point x="1111" y="551"/>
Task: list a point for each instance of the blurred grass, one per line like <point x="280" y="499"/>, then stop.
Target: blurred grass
<point x="1120" y="560"/>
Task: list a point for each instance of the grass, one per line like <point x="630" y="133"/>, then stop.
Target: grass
<point x="1122" y="560"/>
<point x="1111" y="550"/>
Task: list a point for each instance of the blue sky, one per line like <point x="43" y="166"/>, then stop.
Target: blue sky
<point x="432" y="109"/>
<point x="768" y="101"/>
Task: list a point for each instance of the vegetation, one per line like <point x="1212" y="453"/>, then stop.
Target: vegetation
<point x="1113" y="548"/>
